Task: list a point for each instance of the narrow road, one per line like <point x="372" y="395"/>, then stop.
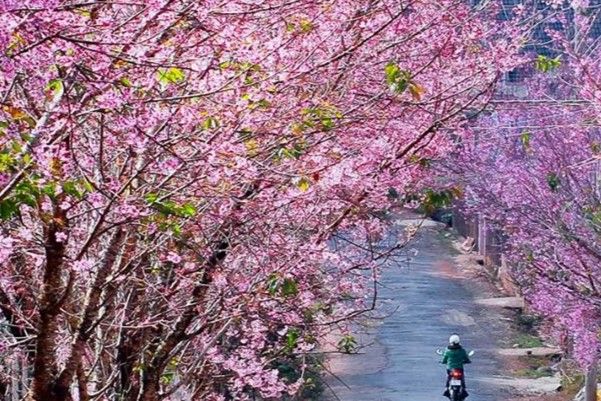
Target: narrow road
<point x="428" y="300"/>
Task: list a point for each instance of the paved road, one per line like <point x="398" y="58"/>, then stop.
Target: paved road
<point x="400" y="364"/>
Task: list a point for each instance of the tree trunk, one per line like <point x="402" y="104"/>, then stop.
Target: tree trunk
<point x="52" y="292"/>
<point x="590" y="382"/>
<point x="89" y="312"/>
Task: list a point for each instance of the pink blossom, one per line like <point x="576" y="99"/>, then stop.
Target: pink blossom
<point x="61" y="236"/>
<point x="128" y="211"/>
<point x="96" y="199"/>
<point x="233" y="262"/>
<point x="84" y="265"/>
<point x="46" y="206"/>
<point x="6" y="247"/>
<point x="519" y="9"/>
<point x="173" y="257"/>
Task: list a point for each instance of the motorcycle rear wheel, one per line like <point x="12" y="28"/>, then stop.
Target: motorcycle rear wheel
<point x="456" y="394"/>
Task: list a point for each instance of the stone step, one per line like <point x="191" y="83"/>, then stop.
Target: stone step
<point x="536" y="351"/>
<point x="502" y="302"/>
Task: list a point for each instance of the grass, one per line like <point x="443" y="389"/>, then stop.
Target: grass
<point x="572" y="378"/>
<point x="528" y="341"/>
<point x="532" y="373"/>
<point x="572" y="384"/>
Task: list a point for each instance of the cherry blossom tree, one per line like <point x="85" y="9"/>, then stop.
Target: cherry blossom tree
<point x="189" y="189"/>
<point x="532" y="167"/>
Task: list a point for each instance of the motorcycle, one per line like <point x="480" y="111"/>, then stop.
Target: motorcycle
<point x="455" y="389"/>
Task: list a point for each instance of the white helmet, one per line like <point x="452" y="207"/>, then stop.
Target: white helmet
<point x="454" y="339"/>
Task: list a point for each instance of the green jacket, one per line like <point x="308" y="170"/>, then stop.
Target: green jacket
<point x="455" y="356"/>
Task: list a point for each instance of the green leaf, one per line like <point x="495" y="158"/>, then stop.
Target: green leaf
<point x="3" y="124"/>
<point x="245" y="134"/>
<point x="284" y="153"/>
<point x="294" y="153"/>
<point x="71" y="189"/>
<point x="211" y="123"/>
<point x="399" y="80"/>
<point x="553" y="181"/>
<point x="88" y="185"/>
<point x="16" y="147"/>
<point x="83" y="12"/>
<point x="50" y="190"/>
<point x="544" y="63"/>
<point x="167" y="377"/>
<point x="263" y="104"/>
<point x="273" y="284"/>
<point x="392" y="73"/>
<point x="248" y="66"/>
<point x="27" y="199"/>
<point x="327" y="124"/>
<point x="347" y="344"/>
<point x="55" y="86"/>
<point x="168" y="207"/>
<point x="291" y="339"/>
<point x="303" y="184"/>
<point x="525" y="138"/>
<point x="305" y="26"/>
<point x="125" y="82"/>
<point x="26" y="193"/>
<point x="151" y="198"/>
<point x="27" y="187"/>
<point x="289" y="288"/>
<point x="8" y="209"/>
<point x="402" y="85"/>
<point x="297" y="150"/>
<point x="596" y="218"/>
<point x="188" y="210"/>
<point x="171" y="75"/>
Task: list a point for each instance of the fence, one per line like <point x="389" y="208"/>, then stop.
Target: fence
<point x="488" y="243"/>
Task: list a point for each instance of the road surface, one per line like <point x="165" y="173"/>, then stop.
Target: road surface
<point x="427" y="301"/>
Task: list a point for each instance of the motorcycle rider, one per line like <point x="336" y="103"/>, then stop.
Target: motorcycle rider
<point x="454" y="357"/>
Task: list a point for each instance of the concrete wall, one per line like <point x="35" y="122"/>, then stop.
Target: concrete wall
<point x="488" y="244"/>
